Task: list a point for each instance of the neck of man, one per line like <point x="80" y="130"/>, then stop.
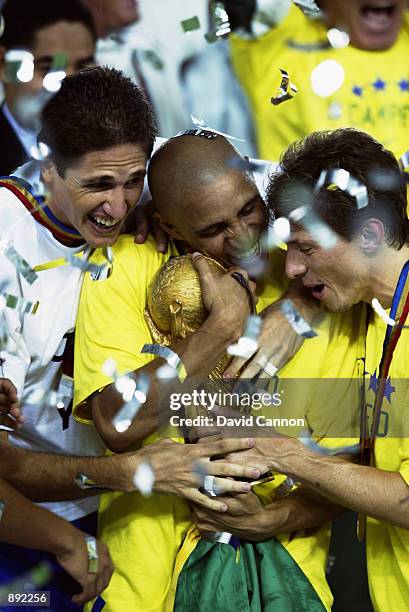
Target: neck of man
<point x="384" y="275"/>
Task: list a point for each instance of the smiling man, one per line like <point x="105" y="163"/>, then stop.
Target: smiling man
<point x="206" y="199"/>
<point x="363" y="84"/>
<point x="94" y="175"/>
<point x="59" y="35"/>
<point x="369" y="261"/>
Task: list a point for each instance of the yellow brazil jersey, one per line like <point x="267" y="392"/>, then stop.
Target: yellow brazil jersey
<point x="387" y="546"/>
<point x="143" y="533"/>
<point x="374" y="95"/>
<point x="335" y="353"/>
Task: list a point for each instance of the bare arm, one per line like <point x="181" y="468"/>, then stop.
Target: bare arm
<point x="50" y="477"/>
<point x="173" y="465"/>
<point x="378" y="493"/>
<point x="228" y="305"/>
<point x="248" y="519"/>
<point x="25" y="524"/>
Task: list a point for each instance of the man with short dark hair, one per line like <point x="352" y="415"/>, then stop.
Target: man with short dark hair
<point x="94" y="173"/>
<point x="205" y="199"/>
<point x="55" y="36"/>
<point x="369" y="263"/>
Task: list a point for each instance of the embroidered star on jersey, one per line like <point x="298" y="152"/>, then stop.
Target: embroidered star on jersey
<point x="373" y="386"/>
<point x="404" y="85"/>
<point x="379" y="85"/>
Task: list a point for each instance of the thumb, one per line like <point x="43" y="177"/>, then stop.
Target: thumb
<point x="206" y="278"/>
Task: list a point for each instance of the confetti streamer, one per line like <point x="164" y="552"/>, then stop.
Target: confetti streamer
<point x="321" y="232"/>
<point x="53" y="79"/>
<point x="346" y="182"/>
<point x="286" y="91"/>
<point x="40" y="151"/>
<point x="352" y="449"/>
<point x="201" y="125"/>
<point x="297" y="322"/>
<point x="126" y="414"/>
<point x="21" y="265"/>
<point x="83" y="482"/>
<point x="19" y="66"/>
<point x="308" y="7"/>
<point x="220" y="22"/>
<point x="191" y="24"/>
<point x="144" y="479"/>
<point x="338" y="39"/>
<point x="97" y="271"/>
<point x="171" y="358"/>
<point x="247" y="345"/>
<point x="2" y="508"/>
<point x="134" y="394"/>
<point x="382" y="313"/>
<point x="281" y="227"/>
<point x="18" y="303"/>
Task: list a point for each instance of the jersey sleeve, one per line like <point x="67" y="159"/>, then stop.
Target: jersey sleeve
<point x="14" y="355"/>
<point x="110" y="322"/>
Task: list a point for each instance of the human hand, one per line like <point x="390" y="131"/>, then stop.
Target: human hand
<point x="278" y="342"/>
<point x="226" y="300"/>
<point x="276" y="453"/>
<point x="76" y="563"/>
<point x="245" y="518"/>
<point x="142" y="222"/>
<point x="179" y="469"/>
<point x="10" y="412"/>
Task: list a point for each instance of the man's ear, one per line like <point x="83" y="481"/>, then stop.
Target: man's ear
<point x="168" y="228"/>
<point x="48" y="171"/>
<point x="372" y="236"/>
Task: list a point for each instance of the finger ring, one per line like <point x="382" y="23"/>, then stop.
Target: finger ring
<point x="269" y="368"/>
<point x="208" y="484"/>
<point x="92" y="551"/>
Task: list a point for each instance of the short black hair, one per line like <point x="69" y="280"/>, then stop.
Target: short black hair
<point x="24" y="18"/>
<point x="96" y="108"/>
<point x="365" y="159"/>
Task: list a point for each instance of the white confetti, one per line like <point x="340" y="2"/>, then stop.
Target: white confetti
<point x="382" y="313"/>
<point x="297" y="322"/>
<point x="247" y="345"/>
<point x="320" y="231"/>
<point x="144" y="479"/>
<point x="201" y="124"/>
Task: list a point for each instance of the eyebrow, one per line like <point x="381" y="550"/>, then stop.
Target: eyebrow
<point x="224" y="224"/>
<point x="107" y="178"/>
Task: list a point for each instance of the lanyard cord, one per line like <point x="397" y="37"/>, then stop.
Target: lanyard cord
<point x="389" y="345"/>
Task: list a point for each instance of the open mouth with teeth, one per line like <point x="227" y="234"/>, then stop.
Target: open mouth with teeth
<point x="378" y="16"/>
<point x="103" y="224"/>
<point x="247" y="255"/>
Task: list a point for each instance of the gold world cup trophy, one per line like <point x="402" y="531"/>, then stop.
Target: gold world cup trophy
<point x="175" y="310"/>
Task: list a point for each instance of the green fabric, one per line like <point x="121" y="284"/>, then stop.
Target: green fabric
<point x="262" y="577"/>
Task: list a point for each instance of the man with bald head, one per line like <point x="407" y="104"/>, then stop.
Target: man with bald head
<point x="207" y="201"/>
<point x="182" y="168"/>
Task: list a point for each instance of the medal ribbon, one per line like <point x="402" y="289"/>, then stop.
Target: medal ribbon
<point x="390" y="342"/>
